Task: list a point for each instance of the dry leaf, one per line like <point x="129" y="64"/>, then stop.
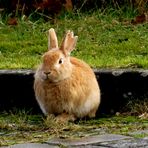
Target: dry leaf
<point x="12" y="21"/>
<point x="144" y="116"/>
<point x="140" y="19"/>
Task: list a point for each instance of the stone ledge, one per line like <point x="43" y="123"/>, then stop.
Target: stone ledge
<point x="118" y="86"/>
<point x="31" y="145"/>
<point x="98" y="141"/>
<point x="87" y="140"/>
<point x="17" y="72"/>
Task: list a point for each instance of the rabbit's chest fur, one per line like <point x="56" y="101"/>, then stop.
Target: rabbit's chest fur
<point x="62" y="97"/>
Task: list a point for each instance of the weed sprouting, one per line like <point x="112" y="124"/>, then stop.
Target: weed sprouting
<point x="137" y="107"/>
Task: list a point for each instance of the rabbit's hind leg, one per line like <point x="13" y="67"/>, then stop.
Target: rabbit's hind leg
<point x="92" y="113"/>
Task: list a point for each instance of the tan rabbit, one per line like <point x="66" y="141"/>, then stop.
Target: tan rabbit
<point x="65" y="86"/>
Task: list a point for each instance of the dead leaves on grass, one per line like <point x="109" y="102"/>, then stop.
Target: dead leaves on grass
<point x="140" y="19"/>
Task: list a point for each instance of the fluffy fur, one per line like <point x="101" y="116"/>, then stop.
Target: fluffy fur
<point x="65" y="86"/>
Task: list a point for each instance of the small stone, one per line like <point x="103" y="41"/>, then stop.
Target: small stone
<point x="129" y="143"/>
<point x="139" y="132"/>
<point x="32" y="145"/>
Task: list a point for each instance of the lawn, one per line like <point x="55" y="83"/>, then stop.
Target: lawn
<point x="105" y="41"/>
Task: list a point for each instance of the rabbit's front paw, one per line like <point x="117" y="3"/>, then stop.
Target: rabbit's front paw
<point x="65" y="118"/>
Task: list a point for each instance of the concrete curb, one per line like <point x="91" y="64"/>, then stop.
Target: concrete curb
<point x="118" y="86"/>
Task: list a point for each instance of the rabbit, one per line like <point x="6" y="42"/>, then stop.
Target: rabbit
<point x="65" y="86"/>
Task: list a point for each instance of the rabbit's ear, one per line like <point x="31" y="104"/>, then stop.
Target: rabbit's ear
<point x="69" y="42"/>
<point x="52" y="39"/>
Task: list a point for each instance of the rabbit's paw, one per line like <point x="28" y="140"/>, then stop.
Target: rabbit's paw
<point x="65" y="118"/>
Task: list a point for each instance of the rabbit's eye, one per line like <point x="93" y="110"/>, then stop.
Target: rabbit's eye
<point x="61" y="61"/>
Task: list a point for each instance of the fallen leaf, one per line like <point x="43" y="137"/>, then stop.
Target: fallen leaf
<point x="68" y="5"/>
<point x="144" y="116"/>
<point x="140" y="19"/>
<point x="12" y="21"/>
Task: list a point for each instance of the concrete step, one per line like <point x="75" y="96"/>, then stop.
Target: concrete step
<point x="118" y="86"/>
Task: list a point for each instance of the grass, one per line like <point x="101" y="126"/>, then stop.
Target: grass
<point x="21" y="127"/>
<point x="104" y="41"/>
<point x="136" y="107"/>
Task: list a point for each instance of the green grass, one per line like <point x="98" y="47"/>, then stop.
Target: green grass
<point x="21" y="127"/>
<point x="104" y="41"/>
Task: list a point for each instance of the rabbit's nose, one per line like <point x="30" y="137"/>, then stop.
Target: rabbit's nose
<point x="47" y="72"/>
